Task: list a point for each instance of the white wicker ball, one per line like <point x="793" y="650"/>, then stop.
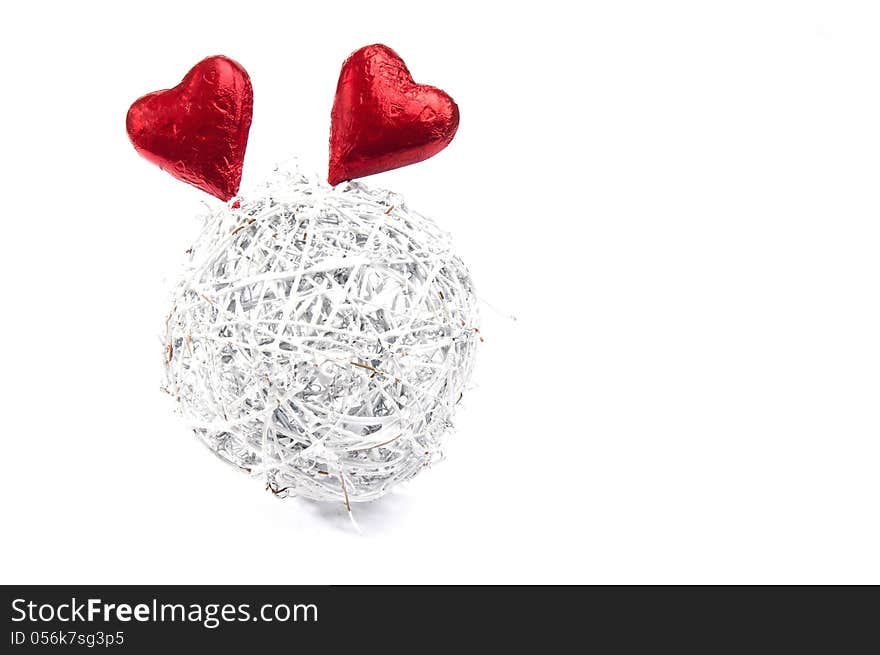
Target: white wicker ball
<point x="321" y="338"/>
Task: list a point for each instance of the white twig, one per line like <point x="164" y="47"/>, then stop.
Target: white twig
<point x="321" y="337"/>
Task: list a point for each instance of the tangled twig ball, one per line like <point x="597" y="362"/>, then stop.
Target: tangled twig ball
<point x="321" y="338"/>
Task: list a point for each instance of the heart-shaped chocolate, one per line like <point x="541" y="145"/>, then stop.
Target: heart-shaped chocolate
<point x="382" y="120"/>
<point x="198" y="130"/>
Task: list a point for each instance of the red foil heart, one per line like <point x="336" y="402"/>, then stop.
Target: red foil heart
<point x="198" y="130"/>
<point x="382" y="120"/>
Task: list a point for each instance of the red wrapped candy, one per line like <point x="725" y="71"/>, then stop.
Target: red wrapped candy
<point x="198" y="130"/>
<point x="382" y="120"/>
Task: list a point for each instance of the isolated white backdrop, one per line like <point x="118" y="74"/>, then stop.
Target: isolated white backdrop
<point x="678" y="202"/>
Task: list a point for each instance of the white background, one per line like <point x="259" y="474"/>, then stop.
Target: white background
<point x="677" y="201"/>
